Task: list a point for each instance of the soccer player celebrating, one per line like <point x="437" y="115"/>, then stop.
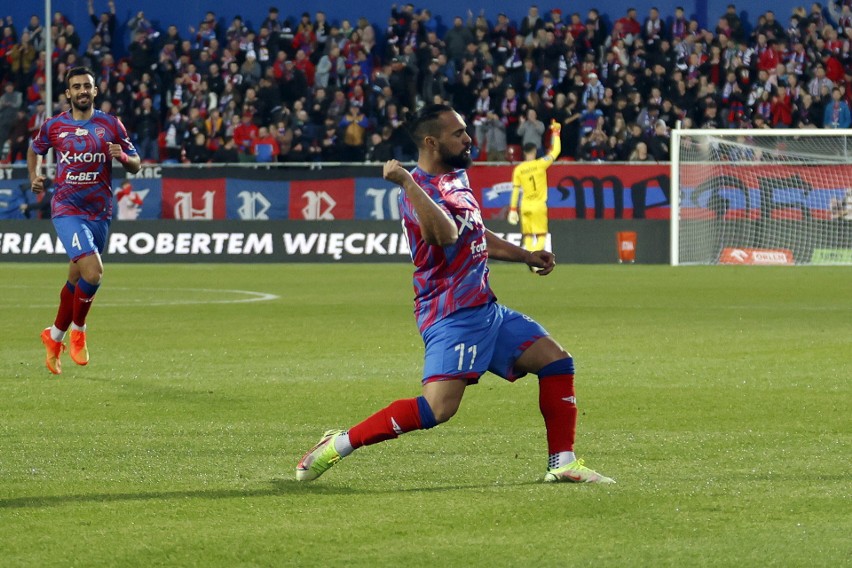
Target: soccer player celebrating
<point x="85" y="142"/>
<point x="531" y="177"/>
<point x="465" y="330"/>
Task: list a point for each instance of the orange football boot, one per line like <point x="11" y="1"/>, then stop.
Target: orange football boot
<point x="54" y="350"/>
<point x="79" y="352"/>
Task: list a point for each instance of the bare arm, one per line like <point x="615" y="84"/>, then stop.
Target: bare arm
<point x="436" y="226"/>
<point x="501" y="249"/>
<point x="132" y="164"/>
<point x="33" y="167"/>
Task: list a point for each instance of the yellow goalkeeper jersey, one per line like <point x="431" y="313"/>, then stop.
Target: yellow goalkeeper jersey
<point x="531" y="178"/>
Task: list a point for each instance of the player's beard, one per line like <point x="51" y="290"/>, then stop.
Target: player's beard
<point x="460" y="161"/>
<point x="84" y="107"/>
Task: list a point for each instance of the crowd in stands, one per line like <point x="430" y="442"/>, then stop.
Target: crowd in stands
<point x="305" y="88"/>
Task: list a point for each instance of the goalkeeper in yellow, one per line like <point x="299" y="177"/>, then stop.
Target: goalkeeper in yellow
<point x="530" y="177"/>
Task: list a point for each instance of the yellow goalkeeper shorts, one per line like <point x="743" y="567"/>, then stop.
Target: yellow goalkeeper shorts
<point x="534" y="221"/>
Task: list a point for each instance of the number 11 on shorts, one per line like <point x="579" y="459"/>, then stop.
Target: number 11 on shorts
<point x="471" y="350"/>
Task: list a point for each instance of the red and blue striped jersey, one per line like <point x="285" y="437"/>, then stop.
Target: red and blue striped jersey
<point x="450" y="278"/>
<point x="83" y="182"/>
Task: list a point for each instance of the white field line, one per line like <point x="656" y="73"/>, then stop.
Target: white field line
<point x="249" y="296"/>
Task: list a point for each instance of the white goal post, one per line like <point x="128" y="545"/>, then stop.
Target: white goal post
<point x="761" y="196"/>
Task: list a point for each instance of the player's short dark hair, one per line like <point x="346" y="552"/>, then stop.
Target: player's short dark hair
<point x="76" y="71"/>
<point x="530" y="147"/>
<point x="425" y="122"/>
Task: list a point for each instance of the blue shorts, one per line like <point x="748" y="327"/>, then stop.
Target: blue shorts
<point x="471" y="341"/>
<point x="80" y="236"/>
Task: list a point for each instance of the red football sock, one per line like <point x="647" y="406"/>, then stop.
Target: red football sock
<point x="83" y="296"/>
<point x="399" y="417"/>
<point x="66" y="307"/>
<point x="559" y="408"/>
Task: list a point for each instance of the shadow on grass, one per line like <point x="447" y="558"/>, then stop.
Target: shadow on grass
<point x="276" y="487"/>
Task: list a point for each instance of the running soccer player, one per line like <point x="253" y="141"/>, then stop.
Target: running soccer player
<point x="85" y="142"/>
<point x="465" y="330"/>
<point x="531" y="177"/>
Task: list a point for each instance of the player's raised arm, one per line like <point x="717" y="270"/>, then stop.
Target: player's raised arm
<point x="436" y="226"/>
<point x="555" y="140"/>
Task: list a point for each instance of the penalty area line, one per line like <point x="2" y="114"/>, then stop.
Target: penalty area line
<point x="250" y="296"/>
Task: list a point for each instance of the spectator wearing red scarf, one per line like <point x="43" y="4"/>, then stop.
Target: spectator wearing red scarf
<point x="629" y="23"/>
<point x="244" y="133"/>
<point x="833" y="68"/>
<point x="303" y="63"/>
<point x="781" y="110"/>
<point x="771" y="57"/>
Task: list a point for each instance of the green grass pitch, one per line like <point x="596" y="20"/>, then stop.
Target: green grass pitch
<point x="717" y="397"/>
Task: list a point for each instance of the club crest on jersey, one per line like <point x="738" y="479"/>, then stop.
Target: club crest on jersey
<point x="100" y="131"/>
<point x="451" y="183"/>
<point x="81" y="132"/>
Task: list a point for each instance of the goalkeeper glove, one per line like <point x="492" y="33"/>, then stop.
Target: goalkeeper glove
<point x="555" y="128"/>
<point x="513" y="217"/>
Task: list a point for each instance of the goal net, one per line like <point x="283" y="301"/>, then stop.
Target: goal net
<point x="761" y="197"/>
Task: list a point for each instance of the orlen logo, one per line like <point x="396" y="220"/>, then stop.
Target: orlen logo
<point x="771" y="257"/>
<point x="756" y="256"/>
<point x="82" y="158"/>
